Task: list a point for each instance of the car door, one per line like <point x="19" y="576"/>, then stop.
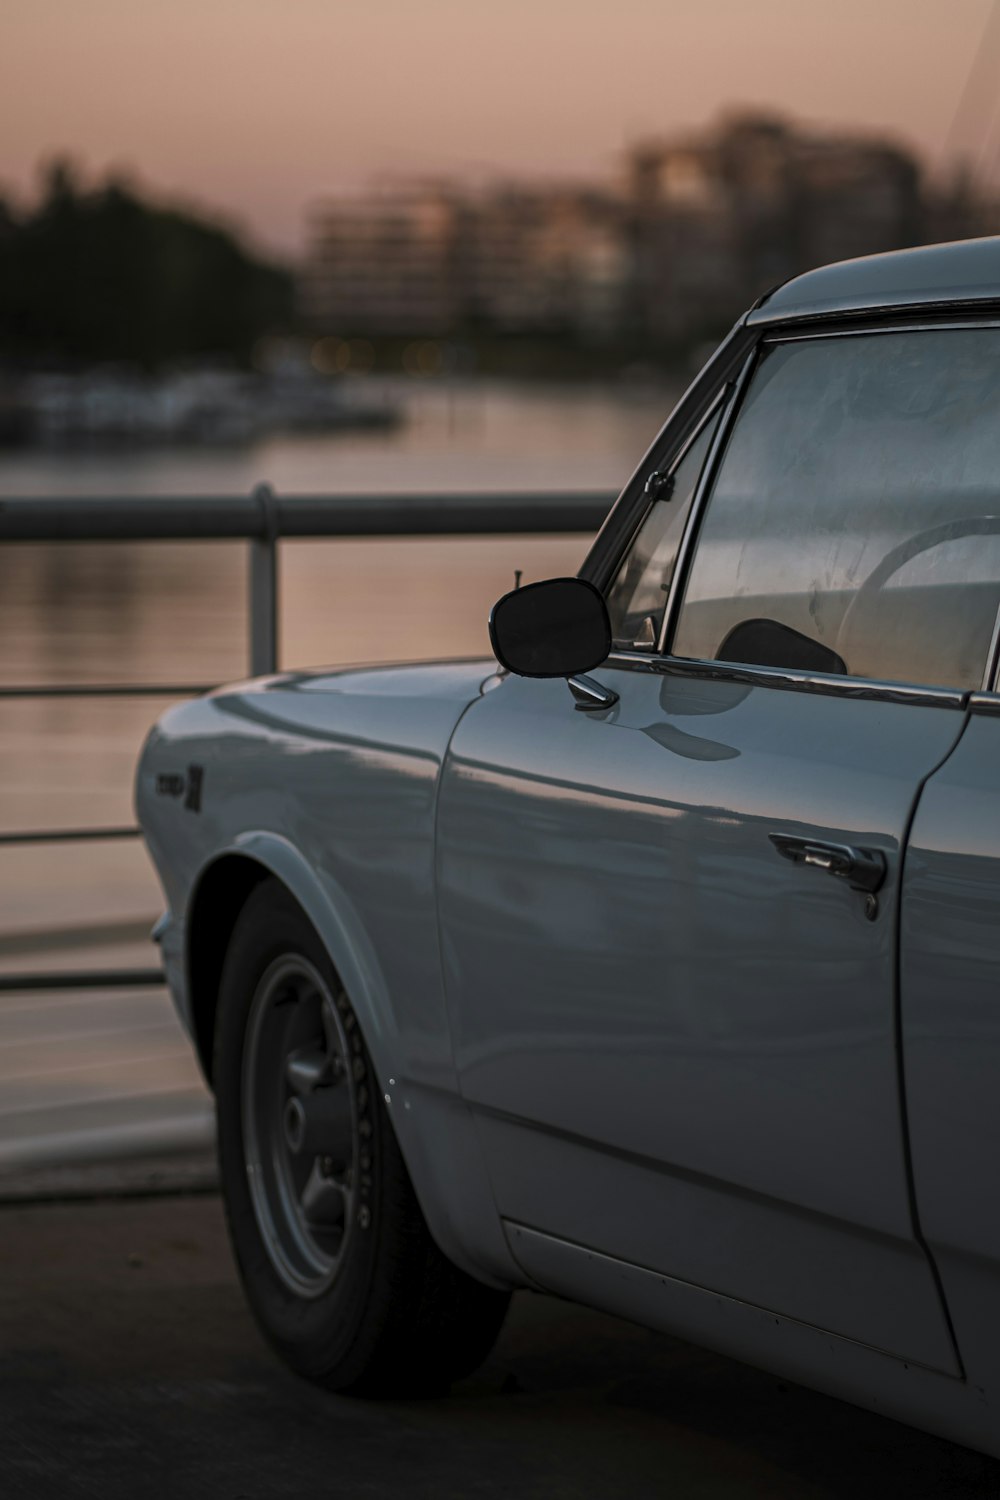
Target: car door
<point x="949" y="969"/>
<point x="675" y="1016"/>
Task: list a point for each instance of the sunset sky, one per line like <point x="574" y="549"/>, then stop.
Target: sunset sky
<point x="255" y="107"/>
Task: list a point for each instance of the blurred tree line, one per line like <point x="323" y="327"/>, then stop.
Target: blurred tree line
<point x="101" y="275"/>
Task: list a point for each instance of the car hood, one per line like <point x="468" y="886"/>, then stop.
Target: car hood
<point x="411" y="706"/>
<point x="449" y="681"/>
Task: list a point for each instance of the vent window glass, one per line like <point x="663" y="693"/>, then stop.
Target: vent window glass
<point x="638" y="595"/>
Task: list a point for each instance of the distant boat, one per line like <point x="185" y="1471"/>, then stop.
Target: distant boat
<point x="213" y="407"/>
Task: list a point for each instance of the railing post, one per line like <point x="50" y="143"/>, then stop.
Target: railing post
<point x="263" y="587"/>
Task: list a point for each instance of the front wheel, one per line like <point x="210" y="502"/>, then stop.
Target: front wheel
<point x="336" y="1260"/>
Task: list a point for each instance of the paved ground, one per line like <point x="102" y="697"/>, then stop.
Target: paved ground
<point x="93" y="1074"/>
<point x="129" y="1368"/>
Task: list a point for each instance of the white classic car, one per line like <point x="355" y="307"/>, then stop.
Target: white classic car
<point x="659" y="968"/>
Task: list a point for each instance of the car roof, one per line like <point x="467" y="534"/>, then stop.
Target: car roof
<point x="930" y="276"/>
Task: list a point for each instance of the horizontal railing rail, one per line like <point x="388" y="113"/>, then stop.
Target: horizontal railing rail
<point x="264" y="515"/>
<point x="81" y="979"/>
<point x="263" y="519"/>
<point x="67" y="835"/>
<point x="110" y="690"/>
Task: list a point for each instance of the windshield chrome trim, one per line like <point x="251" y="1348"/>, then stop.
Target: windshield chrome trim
<point x="731" y="396"/>
<point x="832" y="685"/>
<point x="710" y="411"/>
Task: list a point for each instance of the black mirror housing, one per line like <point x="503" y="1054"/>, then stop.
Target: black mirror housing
<point x="557" y="628"/>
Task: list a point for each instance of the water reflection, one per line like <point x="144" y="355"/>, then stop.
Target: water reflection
<point x="175" y="612"/>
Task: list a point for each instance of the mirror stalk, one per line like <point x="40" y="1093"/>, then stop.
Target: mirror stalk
<point x="590" y="695"/>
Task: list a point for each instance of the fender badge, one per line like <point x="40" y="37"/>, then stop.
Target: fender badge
<point x="174" y="784"/>
<point x="195" y="777"/>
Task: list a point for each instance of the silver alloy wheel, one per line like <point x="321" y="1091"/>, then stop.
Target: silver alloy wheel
<point x="299" y="1109"/>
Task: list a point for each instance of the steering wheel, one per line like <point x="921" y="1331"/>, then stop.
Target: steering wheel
<point x="899" y="556"/>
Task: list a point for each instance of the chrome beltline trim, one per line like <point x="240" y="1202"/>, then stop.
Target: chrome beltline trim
<point x="797" y="682"/>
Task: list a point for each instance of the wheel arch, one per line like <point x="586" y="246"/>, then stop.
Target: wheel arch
<point x="217" y="898"/>
<point x="433" y="1126"/>
<point x="216" y="902"/>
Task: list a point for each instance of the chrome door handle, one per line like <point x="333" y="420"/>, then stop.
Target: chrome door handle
<point x="863" y="869"/>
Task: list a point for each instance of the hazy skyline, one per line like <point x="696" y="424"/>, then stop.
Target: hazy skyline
<point x="254" y="108"/>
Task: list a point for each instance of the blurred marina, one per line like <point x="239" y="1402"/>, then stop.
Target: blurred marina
<point x="119" y="407"/>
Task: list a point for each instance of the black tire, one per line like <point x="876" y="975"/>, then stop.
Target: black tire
<point x="352" y="1293"/>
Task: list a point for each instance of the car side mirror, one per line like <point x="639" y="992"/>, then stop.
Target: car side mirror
<point x="558" y="628"/>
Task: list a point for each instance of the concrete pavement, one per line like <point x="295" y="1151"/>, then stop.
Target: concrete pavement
<point x="130" y="1368"/>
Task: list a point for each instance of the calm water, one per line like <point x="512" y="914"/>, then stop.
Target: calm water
<point x="175" y="612"/>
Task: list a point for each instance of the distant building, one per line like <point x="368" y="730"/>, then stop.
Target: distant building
<point x="543" y="260"/>
<point x="717" y="220"/>
<point x="955" y="208"/>
<point x="383" y="262"/>
<point x="432" y="260"/>
<point x="695" y="230"/>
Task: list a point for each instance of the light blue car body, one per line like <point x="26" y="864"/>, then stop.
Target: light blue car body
<point x="632" y="1056"/>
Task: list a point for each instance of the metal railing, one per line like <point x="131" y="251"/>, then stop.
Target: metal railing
<point x="262" y="519"/>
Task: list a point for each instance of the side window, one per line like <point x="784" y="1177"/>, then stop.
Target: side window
<point x="638" y="596"/>
<point x="854" y="526"/>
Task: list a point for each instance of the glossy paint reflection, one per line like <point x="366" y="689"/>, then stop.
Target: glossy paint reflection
<point x="343" y="767"/>
<point x="631" y="970"/>
<point x="950" y="952"/>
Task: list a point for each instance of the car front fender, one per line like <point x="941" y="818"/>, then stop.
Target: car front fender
<point x="434" y="1127"/>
